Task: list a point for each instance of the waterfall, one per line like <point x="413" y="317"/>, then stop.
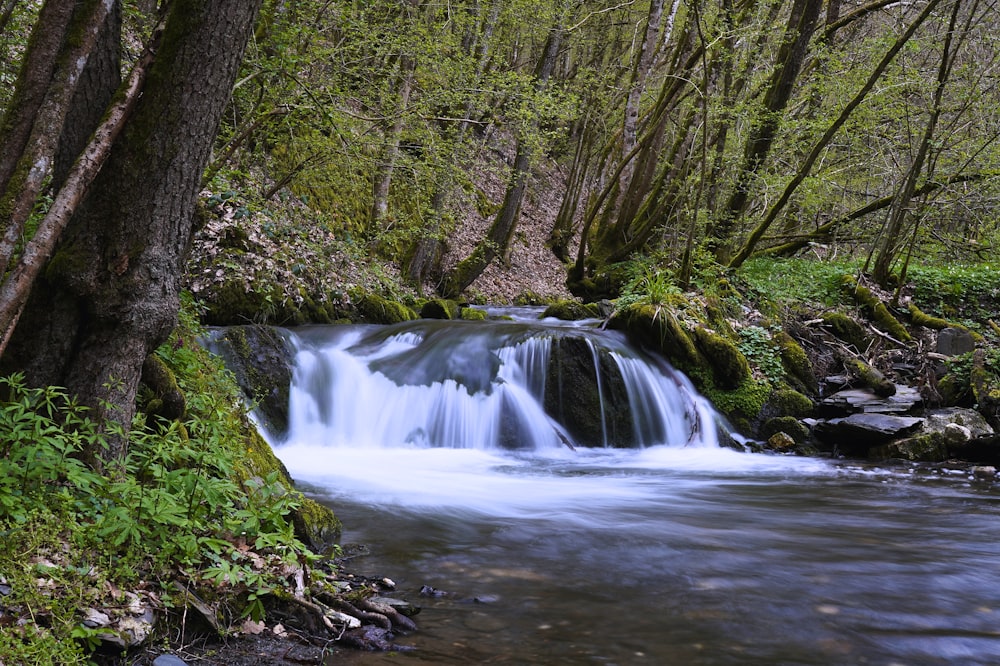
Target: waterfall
<point x="495" y="385"/>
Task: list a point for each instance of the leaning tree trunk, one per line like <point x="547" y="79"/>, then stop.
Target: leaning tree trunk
<point x="109" y="295"/>
<point x="502" y="230"/>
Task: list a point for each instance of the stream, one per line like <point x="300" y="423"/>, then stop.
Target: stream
<point x="442" y="451"/>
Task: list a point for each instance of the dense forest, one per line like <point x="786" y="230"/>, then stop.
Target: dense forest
<point x="169" y="164"/>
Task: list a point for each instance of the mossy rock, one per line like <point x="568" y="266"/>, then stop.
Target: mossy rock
<point x="927" y="447"/>
<point x="261" y="361"/>
<point x="589" y="406"/>
<point x="795" y="361"/>
<point x="789" y="425"/>
<point x="568" y="310"/>
<point x="375" y="309"/>
<point x="658" y="328"/>
<point x="847" y="329"/>
<point x="440" y="308"/>
<point x="742" y="405"/>
<point x="789" y="402"/>
<point x="472" y="314"/>
<point x="954" y="389"/>
<point x="317" y="526"/>
<point x="729" y="366"/>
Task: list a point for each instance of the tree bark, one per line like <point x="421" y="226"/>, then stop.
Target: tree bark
<point x="798" y="32"/>
<point x="110" y="295"/>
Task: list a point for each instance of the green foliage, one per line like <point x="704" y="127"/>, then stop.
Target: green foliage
<point x="965" y="292"/>
<point x="185" y="502"/>
<point x="795" y="280"/>
<point x="756" y="344"/>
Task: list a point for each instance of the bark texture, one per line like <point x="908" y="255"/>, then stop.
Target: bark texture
<point x="109" y="296"/>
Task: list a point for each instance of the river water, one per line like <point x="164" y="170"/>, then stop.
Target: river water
<point x="678" y="552"/>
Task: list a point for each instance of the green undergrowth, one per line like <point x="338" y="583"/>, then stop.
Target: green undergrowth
<point x="187" y="505"/>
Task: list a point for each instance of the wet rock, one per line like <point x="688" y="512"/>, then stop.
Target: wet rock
<point x="984" y="472"/>
<point x="781" y="441"/>
<point x="969" y="419"/>
<point x="169" y="660"/>
<point x="585" y="393"/>
<point x="985" y="450"/>
<point x="400" y="605"/>
<point x="866" y="401"/>
<point x="261" y="360"/>
<point x="856" y="433"/>
<point x="957" y="434"/>
<point x="926" y="447"/>
<point x="369" y="638"/>
<point x="428" y="591"/>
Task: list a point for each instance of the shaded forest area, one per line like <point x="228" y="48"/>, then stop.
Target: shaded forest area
<point x="682" y="135"/>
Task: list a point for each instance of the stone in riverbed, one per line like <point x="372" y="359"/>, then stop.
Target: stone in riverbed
<point x="864" y="400"/>
<point x="858" y="432"/>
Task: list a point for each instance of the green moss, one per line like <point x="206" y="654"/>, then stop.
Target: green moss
<point x="795" y="360"/>
<point x="876" y="309"/>
<point x="375" y="309"/>
<point x="317" y="526"/>
<point x="928" y="447"/>
<point x="568" y="310"/>
<point x="847" y="329"/>
<point x="439" y="308"/>
<point x="954" y="389"/>
<point x="472" y="314"/>
<point x="789" y="402"/>
<point x="165" y="399"/>
<point x="742" y="403"/>
<point x="729" y="366"/>
<point x="870" y="377"/>
<point x="658" y="328"/>
<point x="789" y="425"/>
<point x="920" y="318"/>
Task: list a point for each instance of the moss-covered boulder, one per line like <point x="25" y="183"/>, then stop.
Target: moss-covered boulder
<point x="925" y="447"/>
<point x="729" y="366"/>
<point x="658" y="328"/>
<point x="440" y="308"/>
<point x="375" y="309"/>
<point x="261" y="360"/>
<point x="568" y="310"/>
<point x="798" y="368"/>
<point x="585" y="392"/>
<point x="315" y="524"/>
<point x="472" y="314"/>
<point x="231" y="303"/>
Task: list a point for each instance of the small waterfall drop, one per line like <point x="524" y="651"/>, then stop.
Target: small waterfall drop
<point x="496" y="385"/>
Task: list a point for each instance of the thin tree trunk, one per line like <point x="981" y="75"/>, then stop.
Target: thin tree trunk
<point x="502" y="230"/>
<point x="806" y="165"/>
<point x="387" y="163"/>
<point x="904" y="197"/>
<point x="791" y="55"/>
<point x="37" y="161"/>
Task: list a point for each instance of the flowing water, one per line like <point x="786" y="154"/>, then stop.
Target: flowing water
<point x="442" y="450"/>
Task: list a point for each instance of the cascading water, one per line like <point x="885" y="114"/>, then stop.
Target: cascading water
<point x="445" y="447"/>
<point x="501" y="385"/>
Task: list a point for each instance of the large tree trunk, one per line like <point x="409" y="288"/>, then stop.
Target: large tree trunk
<point x="110" y="294"/>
